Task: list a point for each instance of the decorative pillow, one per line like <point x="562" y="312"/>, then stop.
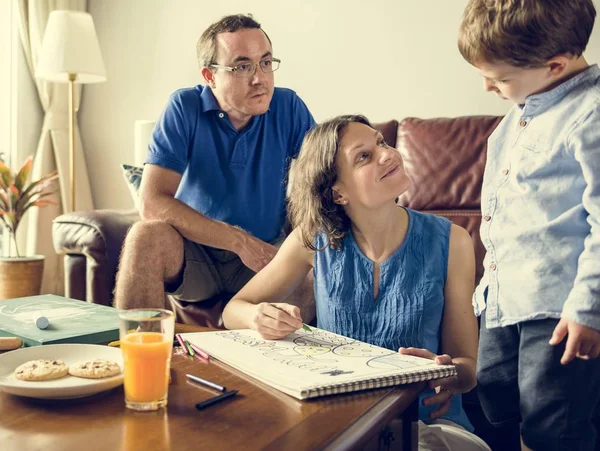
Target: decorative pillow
<point x="133" y="177"/>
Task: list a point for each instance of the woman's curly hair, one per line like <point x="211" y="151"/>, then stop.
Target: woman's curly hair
<point x="310" y="195"/>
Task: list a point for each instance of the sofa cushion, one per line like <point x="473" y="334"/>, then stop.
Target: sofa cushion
<point x="445" y="159"/>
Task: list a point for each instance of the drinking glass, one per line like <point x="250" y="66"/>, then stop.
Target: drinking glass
<point x="146" y="337"/>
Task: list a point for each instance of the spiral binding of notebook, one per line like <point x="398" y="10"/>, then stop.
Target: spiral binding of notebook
<point x="390" y="381"/>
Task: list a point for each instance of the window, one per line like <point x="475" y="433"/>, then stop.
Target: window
<point x="8" y="47"/>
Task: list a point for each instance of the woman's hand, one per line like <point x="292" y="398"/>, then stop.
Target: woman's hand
<point x="276" y="320"/>
<point x="444" y="388"/>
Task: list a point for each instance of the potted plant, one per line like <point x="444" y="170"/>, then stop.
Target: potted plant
<point x="21" y="276"/>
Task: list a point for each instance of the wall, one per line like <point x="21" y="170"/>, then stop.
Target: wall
<point x="383" y="58"/>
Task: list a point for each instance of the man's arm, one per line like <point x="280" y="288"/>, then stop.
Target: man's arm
<point x="157" y="201"/>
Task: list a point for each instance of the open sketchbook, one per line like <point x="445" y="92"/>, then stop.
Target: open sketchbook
<point x="310" y="364"/>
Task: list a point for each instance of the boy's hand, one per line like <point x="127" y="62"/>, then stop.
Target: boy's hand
<point x="444" y="388"/>
<point x="583" y="342"/>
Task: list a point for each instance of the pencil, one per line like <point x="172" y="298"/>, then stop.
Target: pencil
<point x="205" y="355"/>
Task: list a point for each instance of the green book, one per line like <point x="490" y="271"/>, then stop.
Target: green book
<point x="70" y="320"/>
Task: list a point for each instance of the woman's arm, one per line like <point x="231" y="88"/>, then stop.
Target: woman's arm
<point x="459" y="326"/>
<point x="258" y="305"/>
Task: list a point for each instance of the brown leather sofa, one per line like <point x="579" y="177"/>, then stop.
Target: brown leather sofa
<point x="444" y="158"/>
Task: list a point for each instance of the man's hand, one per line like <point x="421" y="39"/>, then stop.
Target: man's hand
<point x="444" y="387"/>
<point x="583" y="342"/>
<point x="276" y="320"/>
<point x="254" y="253"/>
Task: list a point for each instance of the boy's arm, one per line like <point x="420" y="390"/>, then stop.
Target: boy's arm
<point x="259" y="304"/>
<point x="581" y="312"/>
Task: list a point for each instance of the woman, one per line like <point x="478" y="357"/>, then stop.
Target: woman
<point x="383" y="274"/>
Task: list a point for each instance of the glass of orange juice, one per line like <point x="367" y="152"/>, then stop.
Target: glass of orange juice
<point x="146" y="337"/>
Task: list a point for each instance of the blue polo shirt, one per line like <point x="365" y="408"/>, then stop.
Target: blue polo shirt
<point x="236" y="177"/>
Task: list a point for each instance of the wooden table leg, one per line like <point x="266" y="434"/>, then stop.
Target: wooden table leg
<point x="410" y="427"/>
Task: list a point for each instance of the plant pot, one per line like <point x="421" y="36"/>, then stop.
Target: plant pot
<point x="21" y="276"/>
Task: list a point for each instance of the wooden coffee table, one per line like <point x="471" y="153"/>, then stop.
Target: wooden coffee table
<point x="259" y="417"/>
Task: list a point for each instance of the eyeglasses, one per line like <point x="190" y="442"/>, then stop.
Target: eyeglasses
<point x="248" y="69"/>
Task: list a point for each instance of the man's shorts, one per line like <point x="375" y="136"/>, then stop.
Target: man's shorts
<point x="520" y="379"/>
<point x="208" y="271"/>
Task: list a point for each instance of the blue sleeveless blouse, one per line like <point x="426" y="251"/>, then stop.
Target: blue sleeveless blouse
<point x="408" y="309"/>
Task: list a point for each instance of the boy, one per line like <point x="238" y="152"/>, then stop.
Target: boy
<point x="540" y="294"/>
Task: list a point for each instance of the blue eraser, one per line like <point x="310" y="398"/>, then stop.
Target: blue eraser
<point x="42" y="322"/>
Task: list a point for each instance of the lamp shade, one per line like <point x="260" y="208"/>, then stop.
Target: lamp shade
<point x="69" y="46"/>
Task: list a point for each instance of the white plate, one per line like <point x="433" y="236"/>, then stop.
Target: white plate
<point x="65" y="387"/>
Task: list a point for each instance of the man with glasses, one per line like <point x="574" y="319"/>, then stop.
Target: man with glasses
<point x="213" y="191"/>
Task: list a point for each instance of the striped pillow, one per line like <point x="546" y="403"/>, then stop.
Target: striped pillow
<point x="133" y="177"/>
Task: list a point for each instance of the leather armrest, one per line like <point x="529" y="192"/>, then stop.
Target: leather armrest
<point x="98" y="236"/>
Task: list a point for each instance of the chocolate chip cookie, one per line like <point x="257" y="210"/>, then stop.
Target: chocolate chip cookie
<point x="41" y="370"/>
<point x="94" y="369"/>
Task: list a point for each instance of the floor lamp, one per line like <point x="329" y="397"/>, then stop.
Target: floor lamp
<point x="70" y="54"/>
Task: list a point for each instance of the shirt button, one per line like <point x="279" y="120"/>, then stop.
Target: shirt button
<point x="523" y="123"/>
<point x="493" y="266"/>
<point x="487" y="217"/>
<point x="504" y="171"/>
<point x="221" y="115"/>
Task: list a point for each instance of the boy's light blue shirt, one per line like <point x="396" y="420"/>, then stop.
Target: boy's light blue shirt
<point x="540" y="204"/>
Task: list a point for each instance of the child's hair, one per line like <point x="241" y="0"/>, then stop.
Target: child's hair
<point x="524" y="33"/>
<point x="310" y="197"/>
